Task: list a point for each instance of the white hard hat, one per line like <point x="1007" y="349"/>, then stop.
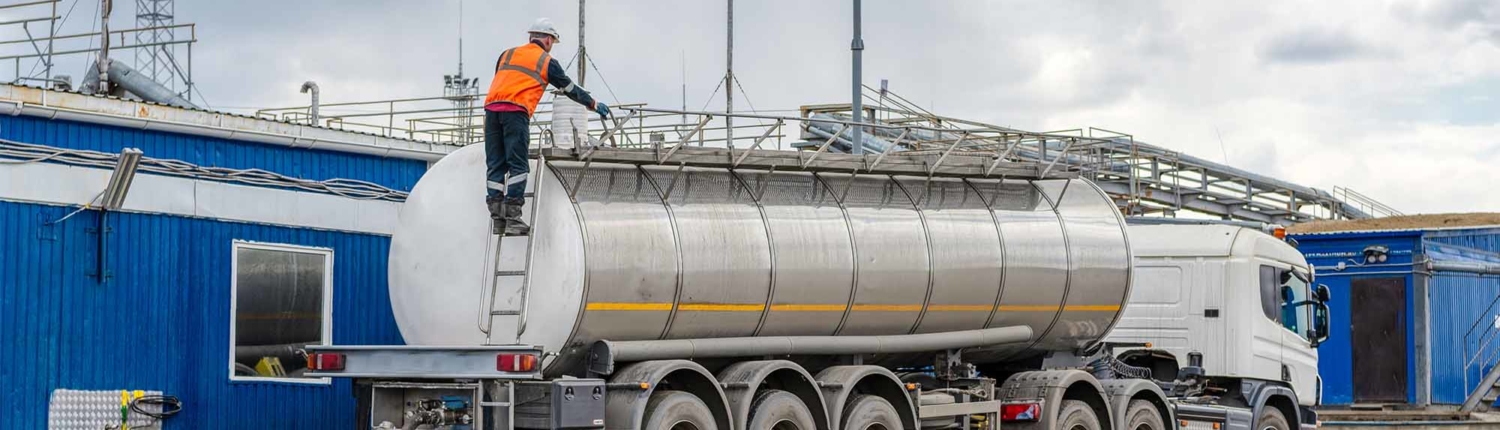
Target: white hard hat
<point x="544" y="26"/>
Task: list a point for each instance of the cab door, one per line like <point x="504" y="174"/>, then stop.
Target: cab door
<point x="1298" y="355"/>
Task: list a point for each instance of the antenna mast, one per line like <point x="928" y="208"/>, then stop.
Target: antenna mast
<point x="729" y="81"/>
<point x="461" y="91"/>
<point x="857" y="46"/>
<point x="583" y="56"/>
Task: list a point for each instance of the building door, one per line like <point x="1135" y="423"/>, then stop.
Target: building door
<point x="1377" y="326"/>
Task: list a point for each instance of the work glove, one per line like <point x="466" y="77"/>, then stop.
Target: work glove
<point x="602" y="109"/>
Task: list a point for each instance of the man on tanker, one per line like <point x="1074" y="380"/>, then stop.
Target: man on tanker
<point x="521" y="77"/>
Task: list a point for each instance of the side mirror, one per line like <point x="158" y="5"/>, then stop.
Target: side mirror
<point x="1323" y="294"/>
<point x="1287" y="295"/>
<point x="1319" y="331"/>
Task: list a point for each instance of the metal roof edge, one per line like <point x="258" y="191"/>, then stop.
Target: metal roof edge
<point x="38" y="102"/>
<point x="1396" y="231"/>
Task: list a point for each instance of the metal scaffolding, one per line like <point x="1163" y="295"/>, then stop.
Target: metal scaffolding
<point x="154" y="41"/>
<point x="156" y="59"/>
<point x="1144" y="179"/>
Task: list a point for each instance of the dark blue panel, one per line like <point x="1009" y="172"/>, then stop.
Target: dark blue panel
<point x="1325" y="252"/>
<point x="162" y="321"/>
<point x="320" y="165"/>
<point x="1458" y="302"/>
<point x="1461" y="302"/>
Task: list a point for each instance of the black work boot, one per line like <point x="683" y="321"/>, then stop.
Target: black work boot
<point x="496" y="206"/>
<point x="513" y="224"/>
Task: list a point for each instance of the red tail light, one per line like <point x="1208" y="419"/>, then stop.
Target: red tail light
<point x="515" y="363"/>
<point x="1020" y="412"/>
<point x="325" y="361"/>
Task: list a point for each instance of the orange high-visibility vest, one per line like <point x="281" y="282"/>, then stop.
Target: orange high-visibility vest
<point x="521" y="77"/>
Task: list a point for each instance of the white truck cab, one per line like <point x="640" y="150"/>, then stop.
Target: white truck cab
<point x="1241" y="298"/>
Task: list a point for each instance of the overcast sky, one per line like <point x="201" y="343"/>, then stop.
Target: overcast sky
<point x="1399" y="100"/>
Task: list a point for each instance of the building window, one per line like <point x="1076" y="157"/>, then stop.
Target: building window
<point x="280" y="302"/>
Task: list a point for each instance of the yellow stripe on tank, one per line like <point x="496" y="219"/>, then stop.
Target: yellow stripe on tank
<point x="617" y="306"/>
<point x="1053" y="308"/>
<point x="721" y="307"/>
<point x="960" y="308"/>
<point x="797" y="307"/>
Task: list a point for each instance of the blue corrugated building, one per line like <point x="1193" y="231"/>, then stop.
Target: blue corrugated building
<point x="1405" y="329"/>
<point x="203" y="277"/>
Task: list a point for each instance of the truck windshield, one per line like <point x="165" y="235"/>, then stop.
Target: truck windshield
<point x="1295" y="317"/>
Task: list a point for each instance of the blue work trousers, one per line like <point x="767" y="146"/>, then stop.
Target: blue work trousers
<point x="507" y="136"/>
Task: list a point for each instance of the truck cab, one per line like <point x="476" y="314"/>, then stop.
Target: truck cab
<point x="1234" y="303"/>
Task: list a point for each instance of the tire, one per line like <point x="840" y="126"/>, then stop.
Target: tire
<point x="866" y="412"/>
<point x="1077" y="415"/>
<point x="779" y="410"/>
<point x="1271" y="419"/>
<point x="1142" y="415"/>
<point x="677" y="410"/>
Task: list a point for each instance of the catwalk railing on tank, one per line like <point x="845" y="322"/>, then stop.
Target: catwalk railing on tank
<point x="669" y="131"/>
<point x="1144" y="179"/>
<point x="427" y="119"/>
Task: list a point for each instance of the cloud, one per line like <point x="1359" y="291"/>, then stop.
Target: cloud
<point x="1313" y="46"/>
<point x="1396" y="99"/>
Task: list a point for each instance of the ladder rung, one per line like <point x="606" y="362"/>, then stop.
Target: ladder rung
<point x="504" y="313"/>
<point x="509" y="273"/>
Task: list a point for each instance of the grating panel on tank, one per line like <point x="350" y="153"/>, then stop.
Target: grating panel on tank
<point x="690" y="185"/>
<point x="788" y="189"/>
<point x="1011" y="195"/>
<point x="93" y="410"/>
<point x="868" y="191"/>
<point x="940" y="193"/>
<point x="609" y="183"/>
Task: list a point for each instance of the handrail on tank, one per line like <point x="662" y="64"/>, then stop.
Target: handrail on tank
<point x="934" y="154"/>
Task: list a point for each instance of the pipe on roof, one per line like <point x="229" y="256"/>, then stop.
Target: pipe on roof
<point x="136" y="83"/>
<point x="312" y="87"/>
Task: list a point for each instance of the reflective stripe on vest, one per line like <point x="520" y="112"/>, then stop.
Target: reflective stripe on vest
<point x="520" y="77"/>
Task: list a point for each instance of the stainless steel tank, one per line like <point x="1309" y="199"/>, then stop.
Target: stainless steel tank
<point x="657" y="252"/>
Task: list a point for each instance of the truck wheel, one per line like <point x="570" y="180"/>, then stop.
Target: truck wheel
<point x="866" y="412"/>
<point x="1142" y="415"/>
<point x="1271" y="419"/>
<point x="779" y="410"/>
<point x="677" y="410"/>
<point x="1077" y="415"/>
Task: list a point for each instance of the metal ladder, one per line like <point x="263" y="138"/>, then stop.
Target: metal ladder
<point x="493" y="273"/>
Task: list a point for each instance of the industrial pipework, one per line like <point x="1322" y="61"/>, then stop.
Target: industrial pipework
<point x="130" y="80"/>
<point x="312" y="110"/>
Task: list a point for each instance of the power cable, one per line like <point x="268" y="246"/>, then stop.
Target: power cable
<point x="595" y="65"/>
<point x="350" y="188"/>
<point x="741" y="86"/>
<point x="94" y="26"/>
<point x="711" y="95"/>
<point x="167" y="406"/>
<point x="54" y="29"/>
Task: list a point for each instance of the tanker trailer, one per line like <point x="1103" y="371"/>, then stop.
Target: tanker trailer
<point x="714" y="289"/>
